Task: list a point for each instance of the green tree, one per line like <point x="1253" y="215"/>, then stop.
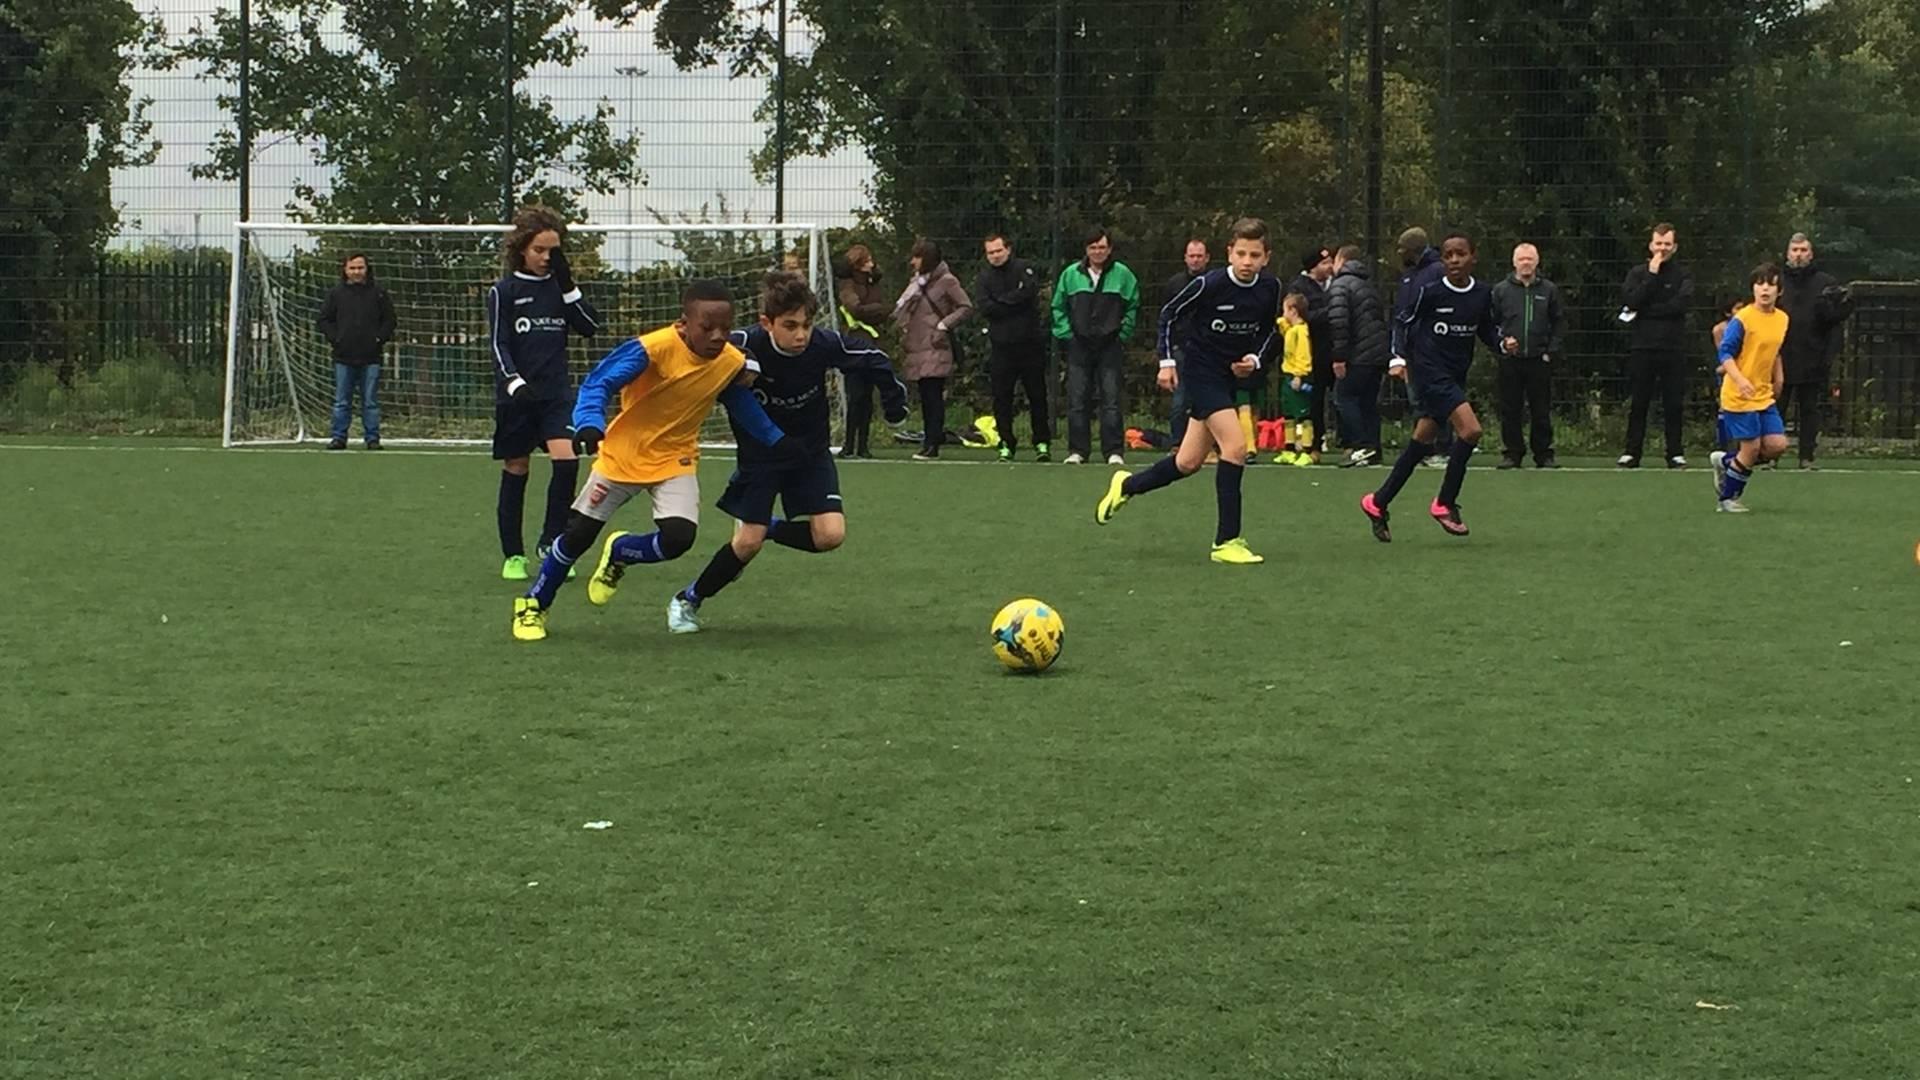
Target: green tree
<point x="402" y="107"/>
<point x="67" y="120"/>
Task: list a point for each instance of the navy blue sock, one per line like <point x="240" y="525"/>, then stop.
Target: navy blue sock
<point x="513" y="502"/>
<point x="1737" y="479"/>
<point x="553" y="574"/>
<point x="797" y="535"/>
<point x="1403" y="466"/>
<point x="566" y="476"/>
<point x="1158" y="475"/>
<point x="1226" y="490"/>
<point x="639" y="549"/>
<point x="1456" y="471"/>
<point x="720" y="572"/>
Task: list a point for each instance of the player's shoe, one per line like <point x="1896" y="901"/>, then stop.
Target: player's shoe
<point x="682" y="617"/>
<point x="1304" y="460"/>
<point x="1115" y="498"/>
<point x="1718" y="461"/>
<point x="1377" y="515"/>
<point x="1449" y="519"/>
<point x="606" y="576"/>
<point x="1235" y="552"/>
<point x="529" y="619"/>
<point x="514" y="569"/>
<point x="540" y="558"/>
<point x="1732" y="506"/>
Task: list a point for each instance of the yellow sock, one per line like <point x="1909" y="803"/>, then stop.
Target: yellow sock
<point x="1246" y="425"/>
<point x="1303" y="434"/>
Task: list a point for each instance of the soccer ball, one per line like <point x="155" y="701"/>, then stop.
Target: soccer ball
<point x="1027" y="635"/>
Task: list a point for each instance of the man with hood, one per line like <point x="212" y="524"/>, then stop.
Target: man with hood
<point x="1816" y="305"/>
<point x="357" y="320"/>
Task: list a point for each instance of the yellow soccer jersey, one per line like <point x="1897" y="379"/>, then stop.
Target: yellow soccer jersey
<point x="1298" y="357"/>
<point x="1752" y="340"/>
<point x="666" y="392"/>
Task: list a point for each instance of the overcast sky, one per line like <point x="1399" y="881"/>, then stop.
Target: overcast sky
<point x="696" y="131"/>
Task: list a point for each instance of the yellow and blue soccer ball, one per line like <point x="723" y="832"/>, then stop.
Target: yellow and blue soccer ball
<point x="1028" y="634"/>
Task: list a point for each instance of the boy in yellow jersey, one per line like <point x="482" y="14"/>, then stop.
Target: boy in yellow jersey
<point x="1751" y="377"/>
<point x="1296" y="393"/>
<point x="667" y="382"/>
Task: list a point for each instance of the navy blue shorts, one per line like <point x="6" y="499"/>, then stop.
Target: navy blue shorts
<point x="1741" y="426"/>
<point x="521" y="427"/>
<point x="1435" y="394"/>
<point x="1207" y="391"/>
<point x="804" y="489"/>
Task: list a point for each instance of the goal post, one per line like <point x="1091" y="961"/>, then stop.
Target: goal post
<point x="436" y="382"/>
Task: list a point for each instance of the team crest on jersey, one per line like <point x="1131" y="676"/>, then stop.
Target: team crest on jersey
<point x="686" y="461"/>
<point x="522" y="325"/>
<point x="597" y="495"/>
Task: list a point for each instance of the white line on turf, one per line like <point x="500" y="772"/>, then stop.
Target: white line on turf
<point x="1092" y="466"/>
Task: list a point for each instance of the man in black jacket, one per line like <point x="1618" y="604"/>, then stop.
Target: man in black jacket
<point x="1195" y="263"/>
<point x="1816" y="306"/>
<point x="1008" y="293"/>
<point x="1359" y="344"/>
<point x="1316" y="269"/>
<point x="1654" y="305"/>
<point x="357" y="320"/>
<point x="1529" y="309"/>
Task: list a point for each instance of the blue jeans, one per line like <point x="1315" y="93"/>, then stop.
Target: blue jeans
<point x="346" y="378"/>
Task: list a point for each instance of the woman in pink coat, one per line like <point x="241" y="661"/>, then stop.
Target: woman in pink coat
<point x="932" y="305"/>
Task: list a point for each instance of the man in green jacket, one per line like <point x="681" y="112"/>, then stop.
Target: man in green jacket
<point x="1095" y="304"/>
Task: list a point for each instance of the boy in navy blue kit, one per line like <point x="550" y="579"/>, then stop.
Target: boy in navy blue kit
<point x="529" y="312"/>
<point x="792" y="359"/>
<point x="1229" y="315"/>
<point x="1439" y="325"/>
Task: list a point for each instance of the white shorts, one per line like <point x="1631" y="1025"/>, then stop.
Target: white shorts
<point x="674" y="497"/>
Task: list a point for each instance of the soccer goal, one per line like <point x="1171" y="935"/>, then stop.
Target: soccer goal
<point x="436" y="381"/>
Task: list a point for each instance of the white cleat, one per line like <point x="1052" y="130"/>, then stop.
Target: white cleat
<point x="1718" y="459"/>
<point x="1116" y="459"/>
<point x="1075" y="459"/>
<point x="1731" y="506"/>
<point x="682" y="617"/>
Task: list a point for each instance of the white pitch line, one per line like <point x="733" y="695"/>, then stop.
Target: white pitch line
<point x="1091" y="466"/>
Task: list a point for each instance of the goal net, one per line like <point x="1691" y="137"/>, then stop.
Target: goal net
<point x="436" y="378"/>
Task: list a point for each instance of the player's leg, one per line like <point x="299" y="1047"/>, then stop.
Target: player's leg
<point x="1466" y="436"/>
<point x="556" y="421"/>
<point x="749" y="501"/>
<point x="676" y="508"/>
<point x="514" y="437"/>
<point x="810" y="496"/>
<point x="1185" y="460"/>
<point x="1229" y="546"/>
<point x="1374" y="504"/>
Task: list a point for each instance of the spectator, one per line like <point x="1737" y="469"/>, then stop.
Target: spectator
<point x="1528" y="308"/>
<point x="862" y="309"/>
<point x="1095" y="303"/>
<point x="1654" y="307"/>
<point x="1009" y="289"/>
<point x="1420" y="263"/>
<point x="1357" y="335"/>
<point x="1316" y="269"/>
<point x="1816" y="306"/>
<point x="1197" y="259"/>
<point x="357" y="320"/>
<point x="931" y="305"/>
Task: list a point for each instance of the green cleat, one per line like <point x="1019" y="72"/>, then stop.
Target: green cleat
<point x="515" y="569"/>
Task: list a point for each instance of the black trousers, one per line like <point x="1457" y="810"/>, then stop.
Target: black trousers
<point x="1358" y="398"/>
<point x="1648" y="370"/>
<point x="1812" y="399"/>
<point x="1014" y="366"/>
<point x="1318" y="402"/>
<point x="933" y="412"/>
<point x="859" y="410"/>
<point x="1526" y="389"/>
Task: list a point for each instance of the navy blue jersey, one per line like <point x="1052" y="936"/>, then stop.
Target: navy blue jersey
<point x="793" y="387"/>
<point x="1426" y="271"/>
<point x="527" y="321"/>
<point x="1226" y="319"/>
<point x="1442" y="320"/>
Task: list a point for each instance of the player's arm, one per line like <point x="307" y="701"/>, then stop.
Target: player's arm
<point x="745" y="411"/>
<point x="608" y="377"/>
<point x="1170" y="315"/>
<point x="1489" y="328"/>
<point x="579" y="314"/>
<point x="1730" y="344"/>
<point x="878" y="368"/>
<point x="503" y="362"/>
<point x="1779" y="373"/>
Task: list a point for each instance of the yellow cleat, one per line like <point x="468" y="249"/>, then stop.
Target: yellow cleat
<point x="1235" y="552"/>
<point x="606" y="577"/>
<point x="529" y="620"/>
<point x="1113" y="500"/>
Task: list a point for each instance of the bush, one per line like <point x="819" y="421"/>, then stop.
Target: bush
<point x="147" y="393"/>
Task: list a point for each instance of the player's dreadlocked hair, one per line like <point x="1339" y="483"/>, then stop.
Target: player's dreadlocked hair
<point x="528" y="223"/>
<point x="786" y="291"/>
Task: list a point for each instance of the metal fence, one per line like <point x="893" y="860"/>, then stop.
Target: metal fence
<point x="1574" y="126"/>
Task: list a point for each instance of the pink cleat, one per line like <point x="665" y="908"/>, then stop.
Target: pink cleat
<point x="1449" y="519"/>
<point x="1377" y="515"/>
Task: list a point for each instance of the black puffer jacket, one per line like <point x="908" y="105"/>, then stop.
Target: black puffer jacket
<point x="1816" y="305"/>
<point x="1356" y="319"/>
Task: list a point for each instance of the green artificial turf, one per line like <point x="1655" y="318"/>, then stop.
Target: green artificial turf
<point x="281" y="797"/>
